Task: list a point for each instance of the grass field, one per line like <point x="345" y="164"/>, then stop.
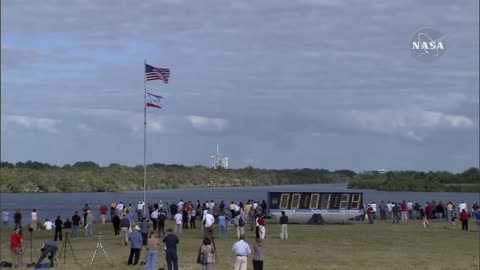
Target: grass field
<point x="351" y="246"/>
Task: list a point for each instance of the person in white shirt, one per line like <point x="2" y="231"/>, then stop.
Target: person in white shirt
<point x="208" y="221"/>
<point x="180" y="205"/>
<point x="154" y="217"/>
<point x="374" y="207"/>
<point x="178" y="222"/>
<point x="119" y="208"/>
<point x="140" y="206"/>
<point x="48" y="225"/>
<point x="462" y="206"/>
<point x="34" y="216"/>
<point x="410" y="209"/>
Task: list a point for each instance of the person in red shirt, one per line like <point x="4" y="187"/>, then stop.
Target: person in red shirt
<point x="16" y="240"/>
<point x="404" y="210"/>
<point x="103" y="213"/>
<point x="464" y="218"/>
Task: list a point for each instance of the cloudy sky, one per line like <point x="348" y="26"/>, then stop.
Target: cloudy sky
<point x="278" y="84"/>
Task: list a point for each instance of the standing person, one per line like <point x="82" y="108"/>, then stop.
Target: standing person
<point x="154" y="217"/>
<point x="144" y="227"/>
<point x="185" y="216"/>
<point x="410" y="209"/>
<point x="239" y="222"/>
<point x="477" y="217"/>
<point x="135" y="239"/>
<point x="17" y="218"/>
<point x="113" y="206"/>
<point x="383" y="210"/>
<point x="173" y="210"/>
<point x="370" y="214"/>
<point x="261" y="226"/>
<point x="208" y="221"/>
<point x="124" y="228"/>
<point x="152" y="252"/>
<point x="258" y="254"/>
<point x="222" y="224"/>
<point x="396" y="210"/>
<point x="103" y="213"/>
<point x="85" y="209"/>
<point x="140" y="209"/>
<point x="284" y="226"/>
<point x="241" y="250"/>
<point x="206" y="255"/>
<point x="89" y="224"/>
<point x="34" y="219"/>
<point x="119" y="208"/>
<point x="5" y="217"/>
<point x="193" y="216"/>
<point x="424" y="217"/>
<point x="162" y="216"/>
<point x="178" y="223"/>
<point x="76" y="225"/>
<point x="58" y="229"/>
<point x="16" y="240"/>
<point x="171" y="241"/>
<point x="404" y="208"/>
<point x="116" y="224"/>
<point x="464" y="219"/>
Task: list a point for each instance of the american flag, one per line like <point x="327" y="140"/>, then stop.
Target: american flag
<point x="154" y="73"/>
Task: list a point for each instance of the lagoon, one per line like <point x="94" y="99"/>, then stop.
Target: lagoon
<point x="64" y="204"/>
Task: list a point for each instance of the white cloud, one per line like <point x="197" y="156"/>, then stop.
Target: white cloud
<point x="154" y="125"/>
<point x="435" y="119"/>
<point x="84" y="127"/>
<point x="44" y="124"/>
<point x="205" y="123"/>
<point x="406" y="122"/>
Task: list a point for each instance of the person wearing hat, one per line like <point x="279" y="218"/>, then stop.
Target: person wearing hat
<point x="16" y="240"/>
<point x="135" y="239"/>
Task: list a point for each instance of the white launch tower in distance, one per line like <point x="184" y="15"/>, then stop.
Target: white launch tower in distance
<point x="219" y="160"/>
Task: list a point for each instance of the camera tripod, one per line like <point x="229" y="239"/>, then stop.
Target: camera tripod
<point x="99" y="246"/>
<point x="29" y="245"/>
<point x="63" y="250"/>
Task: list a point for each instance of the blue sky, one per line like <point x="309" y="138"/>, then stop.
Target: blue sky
<point x="315" y="84"/>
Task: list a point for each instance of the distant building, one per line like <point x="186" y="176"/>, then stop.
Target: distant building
<point x="219" y="160"/>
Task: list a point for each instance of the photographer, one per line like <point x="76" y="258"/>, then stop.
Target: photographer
<point x="49" y="248"/>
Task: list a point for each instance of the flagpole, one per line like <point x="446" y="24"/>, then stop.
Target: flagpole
<point x="144" y="140"/>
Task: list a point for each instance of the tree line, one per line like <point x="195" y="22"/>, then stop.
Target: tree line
<point x="87" y="176"/>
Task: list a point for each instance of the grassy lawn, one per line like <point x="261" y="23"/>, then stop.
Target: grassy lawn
<point x="352" y="246"/>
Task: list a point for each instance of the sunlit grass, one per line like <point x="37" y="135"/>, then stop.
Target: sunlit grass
<point x="353" y="246"/>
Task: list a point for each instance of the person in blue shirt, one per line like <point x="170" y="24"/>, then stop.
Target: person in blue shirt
<point x="171" y="241"/>
<point x="222" y="223"/>
<point x="135" y="239"/>
<point x="241" y="250"/>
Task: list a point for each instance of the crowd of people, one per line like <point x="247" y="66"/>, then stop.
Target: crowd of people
<point x="144" y="225"/>
<point x="402" y="211"/>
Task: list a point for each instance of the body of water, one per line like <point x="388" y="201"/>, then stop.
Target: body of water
<point x="65" y="204"/>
